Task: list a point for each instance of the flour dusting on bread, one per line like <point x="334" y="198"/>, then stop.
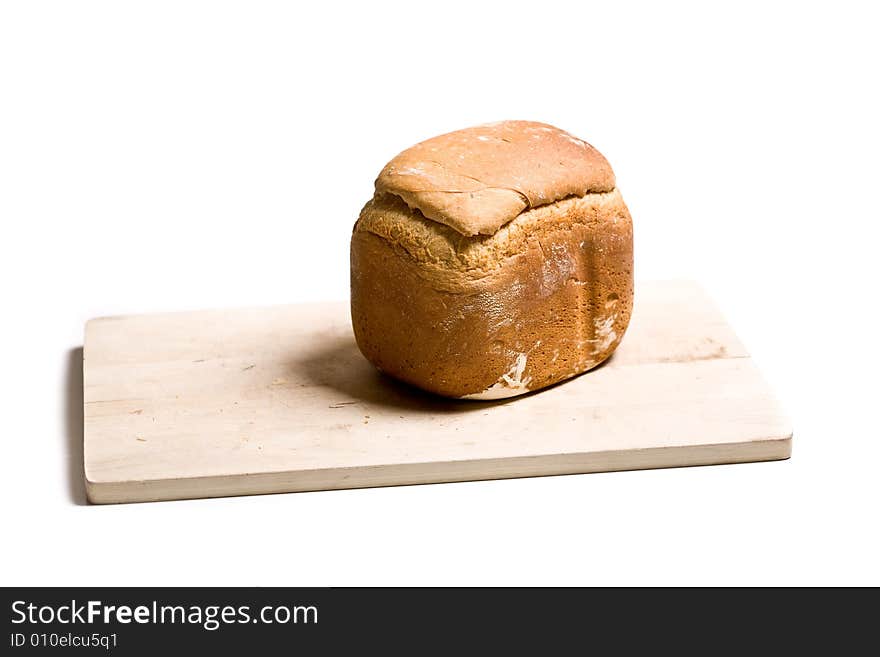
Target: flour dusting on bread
<point x="510" y="384"/>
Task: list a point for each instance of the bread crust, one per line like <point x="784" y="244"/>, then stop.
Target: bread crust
<point x="477" y="179"/>
<point x="545" y="298"/>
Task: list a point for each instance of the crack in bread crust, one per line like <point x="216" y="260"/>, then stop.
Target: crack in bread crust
<point x="451" y="259"/>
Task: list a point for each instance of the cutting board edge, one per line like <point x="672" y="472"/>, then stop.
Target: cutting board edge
<point x="407" y="474"/>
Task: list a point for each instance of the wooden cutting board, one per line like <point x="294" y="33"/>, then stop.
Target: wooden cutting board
<point x="271" y="400"/>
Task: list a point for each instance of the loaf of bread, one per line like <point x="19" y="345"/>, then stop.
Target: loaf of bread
<point x="492" y="261"/>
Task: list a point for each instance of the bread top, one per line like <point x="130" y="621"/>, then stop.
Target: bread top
<point x="478" y="179"/>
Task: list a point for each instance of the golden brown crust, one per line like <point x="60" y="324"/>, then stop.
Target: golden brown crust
<point x="478" y="179"/>
<point x="546" y="298"/>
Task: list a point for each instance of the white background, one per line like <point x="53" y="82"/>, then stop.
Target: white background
<point x="181" y="155"/>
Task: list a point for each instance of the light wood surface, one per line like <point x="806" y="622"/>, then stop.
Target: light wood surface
<point x="278" y="399"/>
